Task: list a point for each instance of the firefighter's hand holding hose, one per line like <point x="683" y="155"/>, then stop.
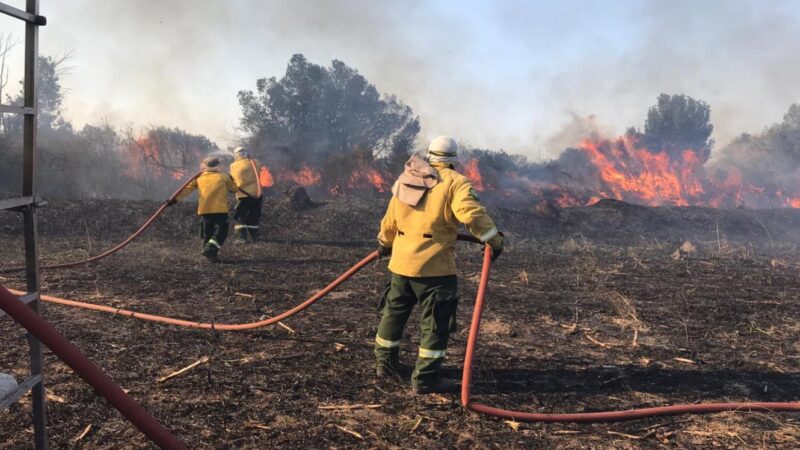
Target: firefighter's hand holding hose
<point x="496" y="244"/>
<point x="384" y="251"/>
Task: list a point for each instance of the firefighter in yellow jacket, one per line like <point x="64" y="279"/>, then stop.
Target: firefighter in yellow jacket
<point x="247" y="213"/>
<point x="419" y="231"/>
<point x="212" y="187"/>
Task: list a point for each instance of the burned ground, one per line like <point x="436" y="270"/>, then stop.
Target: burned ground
<point x="590" y="309"/>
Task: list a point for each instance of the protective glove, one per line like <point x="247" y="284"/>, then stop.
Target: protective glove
<point x="384" y="251"/>
<point x="496" y="244"/>
<point x="170" y="202"/>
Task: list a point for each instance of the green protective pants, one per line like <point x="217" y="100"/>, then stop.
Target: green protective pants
<point x="214" y="231"/>
<point x="438" y="298"/>
<point x="247" y="215"/>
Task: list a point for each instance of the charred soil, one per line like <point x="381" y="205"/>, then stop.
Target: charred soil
<point x="592" y="309"/>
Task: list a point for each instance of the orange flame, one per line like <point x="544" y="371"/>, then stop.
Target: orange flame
<point x="472" y="173"/>
<point x="621" y="169"/>
<point x="304" y="177"/>
<point x="728" y="188"/>
<point x="369" y="178"/>
<point x="265" y="177"/>
<point x="631" y="173"/>
<point x="593" y="200"/>
<point x="146" y="160"/>
<point x="565" y="200"/>
<point x="377" y="180"/>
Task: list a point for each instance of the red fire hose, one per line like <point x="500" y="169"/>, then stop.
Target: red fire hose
<point x="604" y="416"/>
<point x="470" y="351"/>
<point x="119" y="246"/>
<point x="258" y="180"/>
<point x="87" y="370"/>
<point x="216" y="326"/>
<point x="141" y="229"/>
<point x="222" y="326"/>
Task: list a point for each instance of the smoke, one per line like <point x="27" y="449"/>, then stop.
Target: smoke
<point x="770" y="159"/>
<point x="573" y="132"/>
<point x="734" y="55"/>
<point x="502" y="74"/>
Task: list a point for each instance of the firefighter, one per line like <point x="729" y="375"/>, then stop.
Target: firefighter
<point x="212" y="187"/>
<point x="429" y="201"/>
<point x="247" y="213"/>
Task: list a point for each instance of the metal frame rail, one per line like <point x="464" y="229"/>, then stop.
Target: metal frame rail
<point x="27" y="204"/>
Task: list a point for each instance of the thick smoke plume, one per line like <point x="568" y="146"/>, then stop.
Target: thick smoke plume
<point x="502" y="74"/>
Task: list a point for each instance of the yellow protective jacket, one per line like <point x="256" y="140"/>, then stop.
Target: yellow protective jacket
<point x="423" y="237"/>
<point x="212" y="188"/>
<point x="246" y="176"/>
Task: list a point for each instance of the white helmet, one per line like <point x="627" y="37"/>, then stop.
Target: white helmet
<point x="443" y="149"/>
<point x="239" y="153"/>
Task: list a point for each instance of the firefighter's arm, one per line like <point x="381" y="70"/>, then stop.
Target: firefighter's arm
<point x="468" y="210"/>
<point x="235" y="175"/>
<point x="388" y="226"/>
<point x="231" y="185"/>
<point x="191" y="187"/>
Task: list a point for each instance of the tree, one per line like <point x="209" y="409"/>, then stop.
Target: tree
<point x="173" y="150"/>
<point x="102" y="145"/>
<point x="785" y="136"/>
<point x="634" y="134"/>
<point x="314" y="112"/>
<point x="764" y="167"/>
<point x="159" y="156"/>
<point x="96" y="161"/>
<point x="50" y="97"/>
<point x="402" y="145"/>
<point x="770" y="156"/>
<point x="677" y="123"/>
<point x="7" y="43"/>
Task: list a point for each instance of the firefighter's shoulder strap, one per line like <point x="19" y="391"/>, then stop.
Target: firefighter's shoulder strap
<point x="418" y="176"/>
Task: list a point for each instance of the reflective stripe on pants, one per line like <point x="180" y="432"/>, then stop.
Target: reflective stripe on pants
<point x="428" y="353"/>
<point x="385" y="342"/>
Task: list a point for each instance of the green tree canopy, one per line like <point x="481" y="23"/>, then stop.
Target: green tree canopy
<point x="314" y="112"/>
<point x="772" y="156"/>
<point x="677" y="123"/>
<point x="50" y="98"/>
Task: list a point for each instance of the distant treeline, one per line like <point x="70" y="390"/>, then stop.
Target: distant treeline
<point x="333" y="120"/>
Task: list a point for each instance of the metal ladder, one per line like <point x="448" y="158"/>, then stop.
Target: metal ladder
<point x="27" y="204"/>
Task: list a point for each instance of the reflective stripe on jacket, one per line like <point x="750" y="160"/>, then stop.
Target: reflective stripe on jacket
<point x="245" y="177"/>
<point x="423" y="237"/>
<point x="212" y="187"/>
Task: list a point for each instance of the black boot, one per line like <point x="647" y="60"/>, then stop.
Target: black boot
<point x="443" y="386"/>
<point x="211" y="253"/>
<point x="391" y="366"/>
<point x="391" y="369"/>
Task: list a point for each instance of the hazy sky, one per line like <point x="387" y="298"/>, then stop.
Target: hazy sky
<point x="498" y="74"/>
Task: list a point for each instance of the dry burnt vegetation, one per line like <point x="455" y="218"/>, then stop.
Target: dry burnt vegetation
<point x="593" y="308"/>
